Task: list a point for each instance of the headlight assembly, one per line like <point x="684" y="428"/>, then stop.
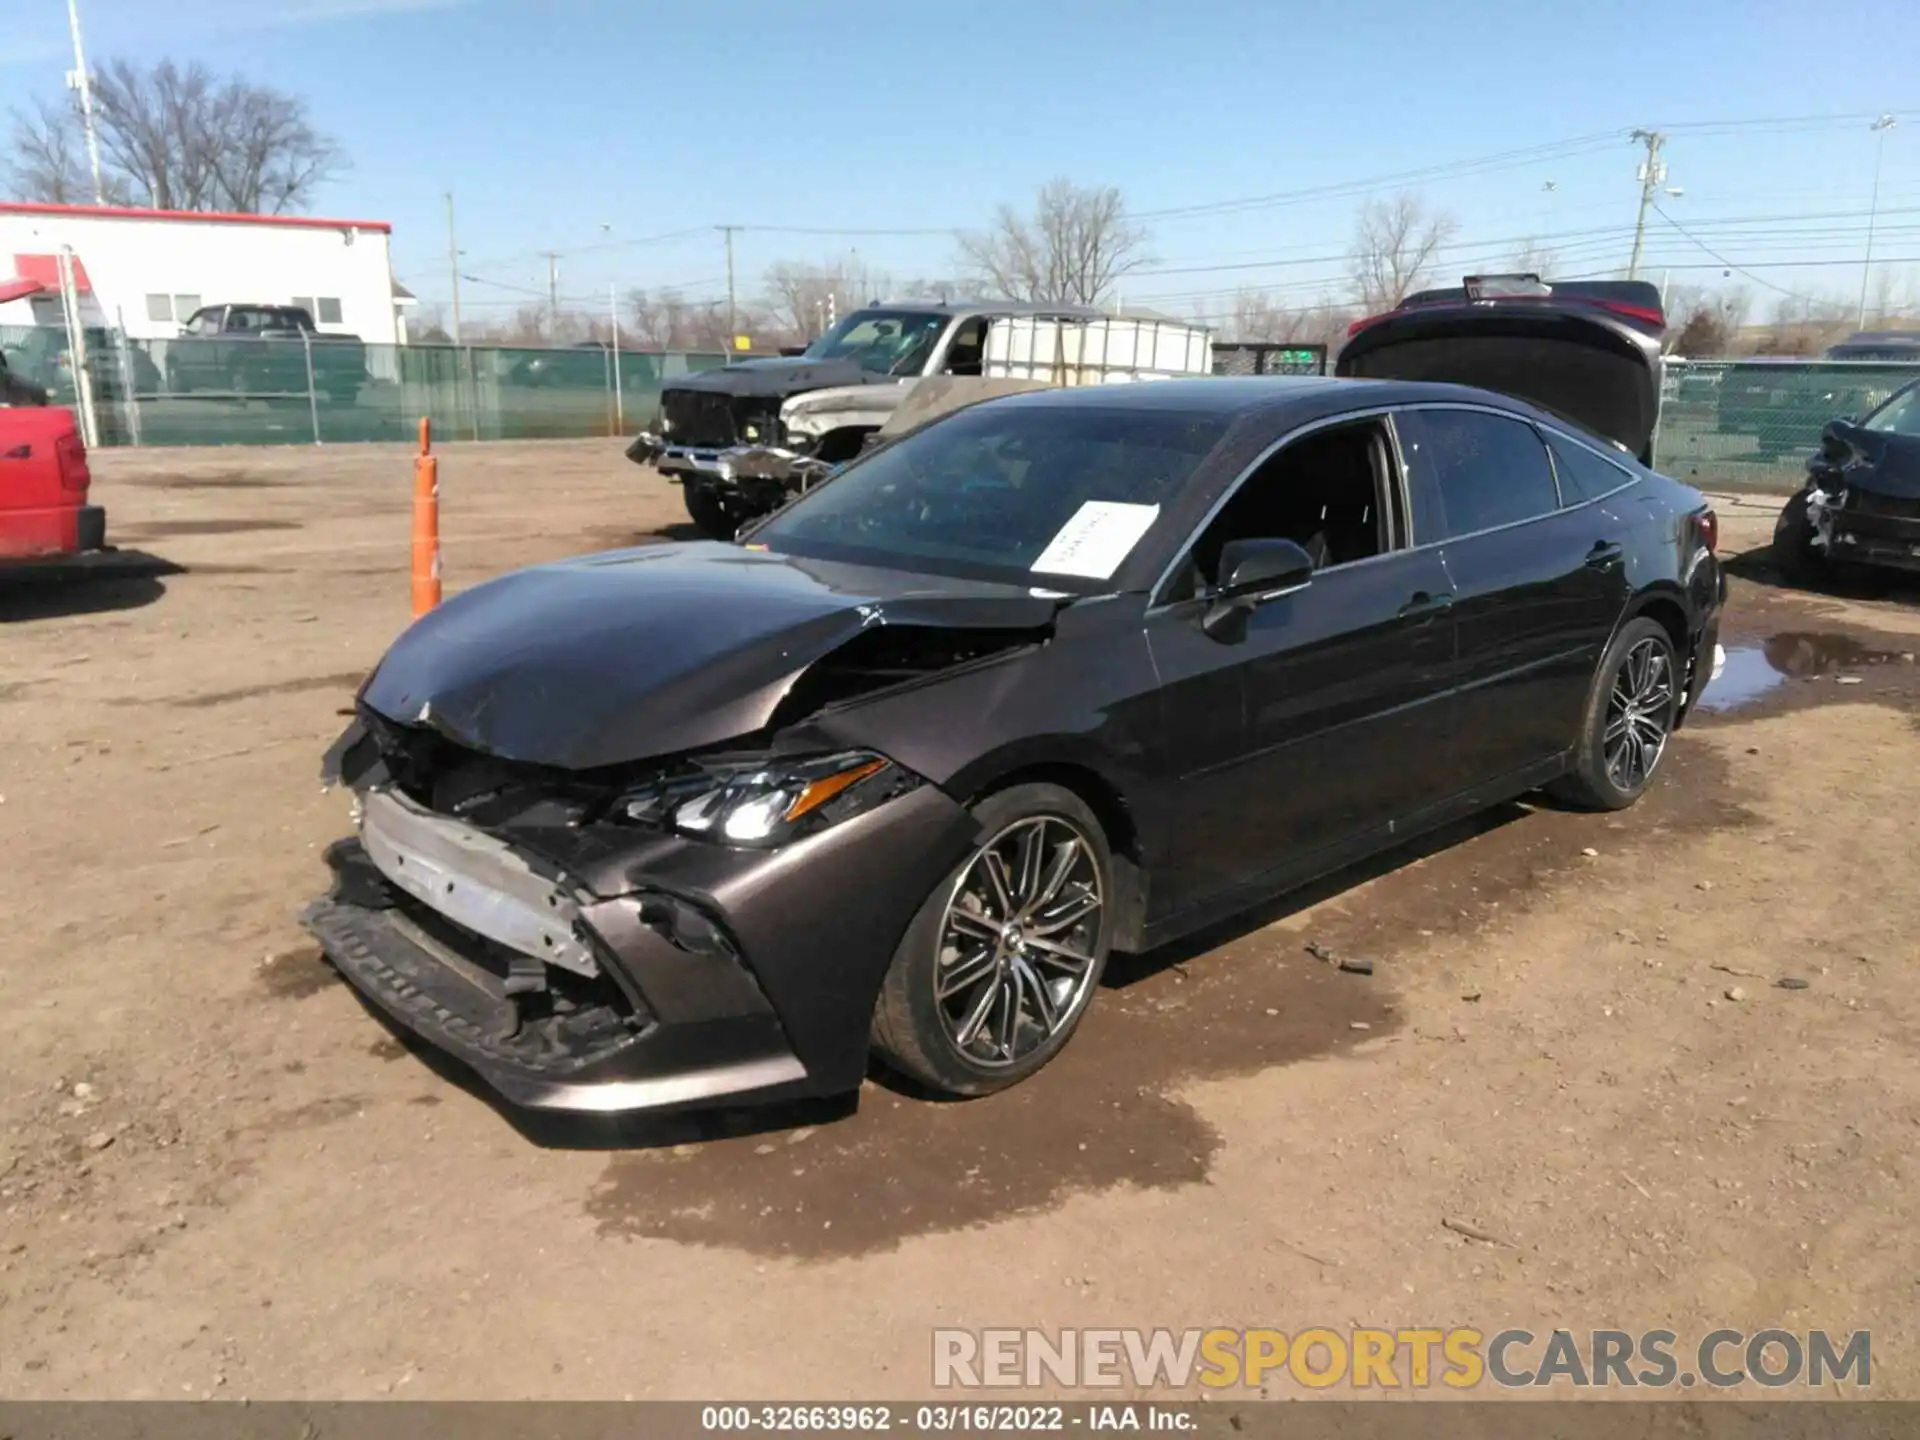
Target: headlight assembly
<point x="765" y="802"/>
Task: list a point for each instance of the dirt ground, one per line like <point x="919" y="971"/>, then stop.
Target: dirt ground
<point x="220" y="1176"/>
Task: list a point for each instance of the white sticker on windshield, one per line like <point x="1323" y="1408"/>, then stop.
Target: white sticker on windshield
<point x="1098" y="537"/>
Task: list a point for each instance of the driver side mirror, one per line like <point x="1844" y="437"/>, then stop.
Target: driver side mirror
<point x="1251" y="572"/>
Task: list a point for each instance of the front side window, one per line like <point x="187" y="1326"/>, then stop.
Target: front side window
<point x="1899" y="416"/>
<point x="1044" y="495"/>
<point x="882" y="342"/>
<point x="1328" y="492"/>
<point x="1583" y="475"/>
<point x="1468" y="470"/>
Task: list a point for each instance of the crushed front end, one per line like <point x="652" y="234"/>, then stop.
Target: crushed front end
<point x="677" y="933"/>
<point x="1863" y="497"/>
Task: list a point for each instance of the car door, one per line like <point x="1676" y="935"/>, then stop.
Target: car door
<point x="1538" y="586"/>
<point x="1319" y="720"/>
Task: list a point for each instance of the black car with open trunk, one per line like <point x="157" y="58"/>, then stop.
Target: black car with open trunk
<point x="1053" y="675"/>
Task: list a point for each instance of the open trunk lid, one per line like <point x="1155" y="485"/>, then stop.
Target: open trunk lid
<point x="1588" y="351"/>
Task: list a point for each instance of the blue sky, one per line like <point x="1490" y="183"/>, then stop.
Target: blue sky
<point x="591" y="126"/>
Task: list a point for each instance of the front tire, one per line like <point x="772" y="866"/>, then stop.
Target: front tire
<point x="999" y="965"/>
<point x="1794" y="553"/>
<point x="1627" y="722"/>
<point x="709" y="512"/>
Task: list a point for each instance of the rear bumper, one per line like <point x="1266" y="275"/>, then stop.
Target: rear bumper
<point x="53" y="532"/>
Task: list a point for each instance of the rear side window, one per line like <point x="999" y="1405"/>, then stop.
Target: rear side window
<point x="1468" y="470"/>
<point x="1583" y="475"/>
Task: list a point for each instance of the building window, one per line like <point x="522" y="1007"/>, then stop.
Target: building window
<point x="304" y="302"/>
<point x="159" y="307"/>
<point x="329" y="311"/>
<point x="184" y="306"/>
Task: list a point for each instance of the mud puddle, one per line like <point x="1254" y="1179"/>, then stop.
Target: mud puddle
<point x="1244" y="998"/>
<point x="1755" y="670"/>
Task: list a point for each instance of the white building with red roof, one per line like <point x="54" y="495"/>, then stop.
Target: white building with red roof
<point x="146" y="271"/>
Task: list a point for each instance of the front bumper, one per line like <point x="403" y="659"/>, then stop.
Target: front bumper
<point x="735" y="467"/>
<point x="1884" y="537"/>
<point x="665" y="973"/>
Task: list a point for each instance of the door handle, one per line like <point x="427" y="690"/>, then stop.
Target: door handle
<point x="1426" y="602"/>
<point x="1604" y="555"/>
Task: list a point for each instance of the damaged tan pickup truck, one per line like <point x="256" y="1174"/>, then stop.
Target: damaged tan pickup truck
<point x="744" y="440"/>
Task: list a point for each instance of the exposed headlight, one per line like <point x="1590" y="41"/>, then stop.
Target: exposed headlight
<point x="765" y="802"/>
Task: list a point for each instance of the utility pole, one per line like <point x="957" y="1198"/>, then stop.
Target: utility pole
<point x="733" y="317"/>
<point x="1879" y="128"/>
<point x="83" y="82"/>
<point x="453" y="268"/>
<point x="553" y="296"/>
<point x="1653" y="174"/>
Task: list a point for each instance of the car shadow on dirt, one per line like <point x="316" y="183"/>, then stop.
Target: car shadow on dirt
<point x="1125" y="973"/>
<point x="1761" y="567"/>
<point x="84" y="585"/>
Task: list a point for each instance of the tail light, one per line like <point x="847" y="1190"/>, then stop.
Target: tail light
<point x="1706" y="529"/>
<point x="1357" y="326"/>
<point x="71" y="456"/>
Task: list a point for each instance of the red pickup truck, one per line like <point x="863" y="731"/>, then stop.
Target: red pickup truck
<point x="44" y="514"/>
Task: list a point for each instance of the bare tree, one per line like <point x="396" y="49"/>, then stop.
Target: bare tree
<point x="47" y="160"/>
<point x="1073" y="249"/>
<point x="668" y="320"/>
<point x="1395" y="243"/>
<point x="177" y="139"/>
<point x="803" y="298"/>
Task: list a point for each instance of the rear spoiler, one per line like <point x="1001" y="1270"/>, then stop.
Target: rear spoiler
<point x="1635" y="301"/>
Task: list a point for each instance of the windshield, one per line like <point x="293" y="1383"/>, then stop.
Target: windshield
<point x="885" y="342"/>
<point x="1042" y="495"/>
<point x="1899" y="416"/>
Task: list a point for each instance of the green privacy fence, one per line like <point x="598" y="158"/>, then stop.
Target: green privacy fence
<point x="1753" y="423"/>
<point x="285" y="390"/>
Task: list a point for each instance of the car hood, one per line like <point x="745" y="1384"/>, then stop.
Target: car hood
<point x="777" y="379"/>
<point x="1576" y="361"/>
<point x="1874" y="460"/>
<point x="631" y="654"/>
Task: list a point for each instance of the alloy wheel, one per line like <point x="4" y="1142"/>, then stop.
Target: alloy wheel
<point x="1639" y="714"/>
<point x="1019" y="941"/>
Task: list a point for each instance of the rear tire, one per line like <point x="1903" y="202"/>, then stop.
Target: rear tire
<point x="1794" y="553"/>
<point x="709" y="512"/>
<point x="999" y="965"/>
<point x="1627" y="722"/>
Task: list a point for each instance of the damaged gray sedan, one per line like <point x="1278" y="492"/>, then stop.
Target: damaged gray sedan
<point x="1056" y="674"/>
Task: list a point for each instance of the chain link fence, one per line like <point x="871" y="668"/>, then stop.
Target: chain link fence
<point x="1261" y="357"/>
<point x="324" y="390"/>
<point x="1751" y="424"/>
<point x="1726" y="423"/>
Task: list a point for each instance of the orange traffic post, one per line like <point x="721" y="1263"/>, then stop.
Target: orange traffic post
<point x="426" y="524"/>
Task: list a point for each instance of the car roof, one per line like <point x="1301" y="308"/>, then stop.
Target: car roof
<point x="1284" y="398"/>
